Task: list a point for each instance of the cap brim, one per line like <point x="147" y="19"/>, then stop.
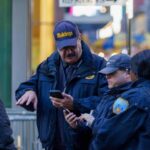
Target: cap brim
<point x="108" y="70"/>
<point x="66" y="42"/>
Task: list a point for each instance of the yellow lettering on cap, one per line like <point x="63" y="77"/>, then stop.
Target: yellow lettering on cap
<point x="64" y="34"/>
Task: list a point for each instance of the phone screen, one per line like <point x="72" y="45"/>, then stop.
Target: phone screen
<point x="56" y="94"/>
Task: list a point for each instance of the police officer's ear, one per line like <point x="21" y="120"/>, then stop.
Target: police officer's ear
<point x="79" y="39"/>
<point x="128" y="71"/>
<point x="80" y="36"/>
<point x="133" y="75"/>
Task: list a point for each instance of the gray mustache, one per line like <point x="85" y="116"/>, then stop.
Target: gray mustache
<point x="71" y="55"/>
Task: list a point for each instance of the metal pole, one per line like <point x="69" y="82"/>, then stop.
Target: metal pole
<point x="129" y="36"/>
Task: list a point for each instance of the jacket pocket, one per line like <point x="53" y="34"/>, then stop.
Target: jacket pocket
<point x="46" y="121"/>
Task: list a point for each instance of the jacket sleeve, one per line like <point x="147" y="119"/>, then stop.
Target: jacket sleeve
<point x="84" y="105"/>
<point x="6" y="140"/>
<point x="31" y="84"/>
<point x="116" y="131"/>
<point x="84" y="132"/>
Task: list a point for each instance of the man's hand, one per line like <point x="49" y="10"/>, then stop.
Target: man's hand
<point x="28" y="98"/>
<point x="66" y="102"/>
<point x="71" y="119"/>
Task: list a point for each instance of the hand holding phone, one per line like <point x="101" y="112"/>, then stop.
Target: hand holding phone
<point x="56" y="94"/>
<point x="66" y="111"/>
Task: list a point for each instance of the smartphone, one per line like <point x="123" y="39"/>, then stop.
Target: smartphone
<point x="56" y="94"/>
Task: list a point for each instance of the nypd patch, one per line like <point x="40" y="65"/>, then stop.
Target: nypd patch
<point x="120" y="105"/>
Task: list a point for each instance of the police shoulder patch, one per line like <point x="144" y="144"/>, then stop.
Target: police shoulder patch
<point x="90" y="77"/>
<point x="120" y="105"/>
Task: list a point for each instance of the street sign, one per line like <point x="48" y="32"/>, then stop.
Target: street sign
<point x="69" y="3"/>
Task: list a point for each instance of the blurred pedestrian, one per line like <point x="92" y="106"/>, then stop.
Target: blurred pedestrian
<point x="73" y="70"/>
<point x="6" y="139"/>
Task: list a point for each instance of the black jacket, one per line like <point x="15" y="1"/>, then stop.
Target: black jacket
<point x="6" y="140"/>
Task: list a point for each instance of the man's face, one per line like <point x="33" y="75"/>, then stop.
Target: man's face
<point x="118" y="78"/>
<point x="71" y="54"/>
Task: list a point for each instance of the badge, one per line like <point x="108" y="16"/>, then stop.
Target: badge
<point x="120" y="105"/>
<point x="90" y="77"/>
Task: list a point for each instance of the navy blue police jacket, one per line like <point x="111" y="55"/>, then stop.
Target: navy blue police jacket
<point x="6" y="139"/>
<point x="126" y="125"/>
<point x="86" y="86"/>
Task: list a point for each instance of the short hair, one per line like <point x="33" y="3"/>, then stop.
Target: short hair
<point x="140" y="64"/>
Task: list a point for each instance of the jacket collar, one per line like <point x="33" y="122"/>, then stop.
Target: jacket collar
<point x="141" y="82"/>
<point x="87" y="61"/>
<point x="120" y="89"/>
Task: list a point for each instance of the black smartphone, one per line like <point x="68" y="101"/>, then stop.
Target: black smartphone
<point x="56" y="94"/>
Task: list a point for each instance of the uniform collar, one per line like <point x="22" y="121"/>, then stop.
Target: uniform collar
<point x="141" y="82"/>
<point x="121" y="88"/>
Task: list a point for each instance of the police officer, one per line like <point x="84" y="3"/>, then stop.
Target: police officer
<point x="117" y="72"/>
<point x="72" y="69"/>
<point x="127" y="127"/>
<point x="6" y="139"/>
